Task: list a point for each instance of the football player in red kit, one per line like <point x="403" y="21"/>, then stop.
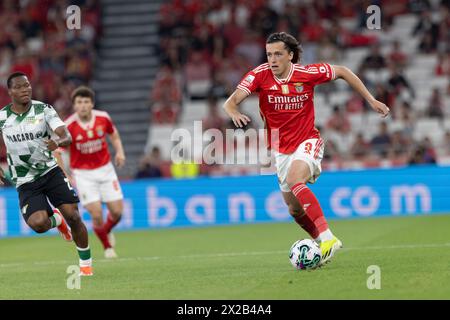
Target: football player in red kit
<point x="93" y="173"/>
<point x="286" y="95"/>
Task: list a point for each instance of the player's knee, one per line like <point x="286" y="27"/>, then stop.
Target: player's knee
<point x="293" y="180"/>
<point x="116" y="214"/>
<point x="39" y="224"/>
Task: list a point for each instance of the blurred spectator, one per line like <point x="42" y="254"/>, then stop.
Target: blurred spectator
<point x="399" y="145"/>
<point x="213" y="119"/>
<point x="400" y="89"/>
<point x="165" y="97"/>
<point x="407" y="118"/>
<point x="375" y="60"/>
<point x="397" y="56"/>
<point x="313" y="28"/>
<point x="423" y="153"/>
<point x="219" y="86"/>
<point x="425" y="24"/>
<point x="360" y="147"/>
<point x="428" y="32"/>
<point x="381" y="141"/>
<point x="339" y="121"/>
<point x="233" y="70"/>
<point x="382" y="94"/>
<point x="165" y="111"/>
<point x="150" y="165"/>
<point x="251" y="48"/>
<point x="198" y="75"/>
<point x="355" y="103"/>
<point x="23" y="62"/>
<point x="443" y="65"/>
<point x="327" y="51"/>
<point x="331" y="150"/>
<point x="265" y="20"/>
<point x="435" y="106"/>
<point x="166" y="85"/>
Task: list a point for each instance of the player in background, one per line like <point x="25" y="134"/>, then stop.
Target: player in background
<point x="27" y="126"/>
<point x="94" y="175"/>
<point x="286" y="94"/>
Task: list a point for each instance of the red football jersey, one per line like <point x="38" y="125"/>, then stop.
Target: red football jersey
<point x="89" y="149"/>
<point x="287" y="105"/>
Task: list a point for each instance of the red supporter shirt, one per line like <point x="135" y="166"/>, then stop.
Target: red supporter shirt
<point x="288" y="104"/>
<point x="89" y="149"/>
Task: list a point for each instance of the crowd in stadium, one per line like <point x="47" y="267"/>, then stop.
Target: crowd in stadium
<point x="35" y="40"/>
<point x="208" y="46"/>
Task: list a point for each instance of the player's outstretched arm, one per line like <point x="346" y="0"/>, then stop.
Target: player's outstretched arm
<point x="356" y="83"/>
<point x="231" y="107"/>
<point x="116" y="142"/>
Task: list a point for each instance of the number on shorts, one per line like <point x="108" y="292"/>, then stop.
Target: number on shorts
<point x="68" y="184"/>
<point x="308" y="147"/>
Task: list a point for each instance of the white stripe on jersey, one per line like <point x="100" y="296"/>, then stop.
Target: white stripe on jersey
<point x="333" y="73"/>
<point x="95" y="113"/>
<point x="260" y="70"/>
<point x="305" y="71"/>
<point x="244" y="89"/>
<point x="264" y="65"/>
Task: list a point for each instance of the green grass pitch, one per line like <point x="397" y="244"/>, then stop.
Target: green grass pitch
<point x="239" y="262"/>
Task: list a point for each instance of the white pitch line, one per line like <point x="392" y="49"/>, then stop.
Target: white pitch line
<point x="218" y="255"/>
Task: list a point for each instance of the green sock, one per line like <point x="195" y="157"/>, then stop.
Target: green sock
<point x="55" y="220"/>
<point x="52" y="221"/>
<point x="85" y="254"/>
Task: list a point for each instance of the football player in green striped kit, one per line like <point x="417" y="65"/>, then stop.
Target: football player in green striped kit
<point x="27" y="127"/>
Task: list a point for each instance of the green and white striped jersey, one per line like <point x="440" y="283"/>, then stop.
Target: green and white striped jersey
<point x="24" y="136"/>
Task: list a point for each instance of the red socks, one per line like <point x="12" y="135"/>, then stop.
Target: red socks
<point x="102" y="232"/>
<point x="307" y="225"/>
<point x="103" y="236"/>
<point x="313" y="221"/>
<point x="110" y="223"/>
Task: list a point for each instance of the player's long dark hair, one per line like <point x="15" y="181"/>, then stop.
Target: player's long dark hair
<point x="291" y="44"/>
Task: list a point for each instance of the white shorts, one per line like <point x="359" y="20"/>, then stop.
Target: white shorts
<point x="309" y="151"/>
<point x="99" y="184"/>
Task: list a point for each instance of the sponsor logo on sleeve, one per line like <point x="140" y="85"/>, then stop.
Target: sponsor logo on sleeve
<point x="248" y="80"/>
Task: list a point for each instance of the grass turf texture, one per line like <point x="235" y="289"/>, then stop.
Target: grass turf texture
<point x="238" y="262"/>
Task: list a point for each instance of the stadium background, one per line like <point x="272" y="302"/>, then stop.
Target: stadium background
<point x="161" y="66"/>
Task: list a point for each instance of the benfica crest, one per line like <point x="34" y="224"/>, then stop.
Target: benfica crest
<point x="298" y="87"/>
<point x="100" y="131"/>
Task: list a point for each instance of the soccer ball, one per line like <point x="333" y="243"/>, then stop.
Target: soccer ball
<point x="305" y="254"/>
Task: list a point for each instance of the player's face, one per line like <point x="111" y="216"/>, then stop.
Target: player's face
<point x="20" y="91"/>
<point x="83" y="106"/>
<point x="278" y="58"/>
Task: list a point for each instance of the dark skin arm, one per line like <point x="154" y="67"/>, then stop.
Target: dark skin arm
<point x="64" y="139"/>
